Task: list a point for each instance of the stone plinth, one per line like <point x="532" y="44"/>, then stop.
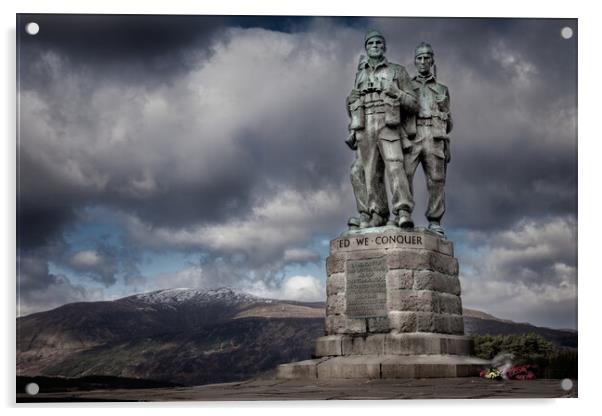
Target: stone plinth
<point x="393" y="310"/>
<point x="392" y="281"/>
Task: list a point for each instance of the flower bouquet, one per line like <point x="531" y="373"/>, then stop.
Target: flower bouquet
<point x="521" y="372"/>
<point x="491" y="373"/>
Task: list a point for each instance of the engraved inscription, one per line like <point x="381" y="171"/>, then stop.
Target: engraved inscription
<point x="366" y="290"/>
<point x="384" y="241"/>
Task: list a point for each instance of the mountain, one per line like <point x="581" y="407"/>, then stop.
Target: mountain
<point x="183" y="336"/>
<point x="190" y="336"/>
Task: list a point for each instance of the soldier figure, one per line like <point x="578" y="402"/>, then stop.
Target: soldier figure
<point x="377" y="100"/>
<point x="427" y="141"/>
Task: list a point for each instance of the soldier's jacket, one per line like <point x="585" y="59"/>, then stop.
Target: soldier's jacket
<point x="384" y="88"/>
<point x="433" y="103"/>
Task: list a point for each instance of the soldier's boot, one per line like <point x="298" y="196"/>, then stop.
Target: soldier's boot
<point x="405" y="220"/>
<point x="377" y="220"/>
<point x="353" y="223"/>
<point x="436" y="227"/>
<point x="364" y="220"/>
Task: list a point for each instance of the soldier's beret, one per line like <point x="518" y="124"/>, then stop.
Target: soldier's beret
<point x="424" y="48"/>
<point x="373" y="33"/>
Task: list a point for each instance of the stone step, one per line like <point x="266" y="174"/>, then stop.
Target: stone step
<point x="383" y="367"/>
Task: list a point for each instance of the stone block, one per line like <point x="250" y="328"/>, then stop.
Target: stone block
<point x="449" y="303"/>
<point x="456" y="324"/>
<point x="422" y="260"/>
<point x="435" y="371"/>
<point x="426" y="301"/>
<point x="378" y="324"/>
<point x="412" y="300"/>
<point x="366" y="254"/>
<point x="335" y="263"/>
<point x="335" y="284"/>
<point x="468" y="370"/>
<point x="375" y="344"/>
<point x="365" y="367"/>
<point x="444" y="264"/>
<point x="400" y="344"/>
<point x="335" y="324"/>
<point x="335" y="304"/>
<point x="329" y="346"/>
<point x="397" y="370"/>
<point x="441" y="323"/>
<point x="364" y="345"/>
<point x="423" y="301"/>
<point x="341" y="324"/>
<point x="354" y="326"/>
<point x="446" y="247"/>
<point x="438" y="244"/>
<point x="412" y="344"/>
<point x="456" y="345"/>
<point x="425" y="322"/>
<point x="298" y="370"/>
<point x="399" y="279"/>
<point x="352" y="345"/>
<point x="402" y="321"/>
<point x="440" y="282"/>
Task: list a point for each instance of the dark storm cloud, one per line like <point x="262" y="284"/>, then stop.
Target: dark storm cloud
<point x="109" y="145"/>
<point x="149" y="44"/>
<point x="39" y="289"/>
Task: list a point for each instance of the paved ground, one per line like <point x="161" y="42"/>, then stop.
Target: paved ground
<point x="442" y="388"/>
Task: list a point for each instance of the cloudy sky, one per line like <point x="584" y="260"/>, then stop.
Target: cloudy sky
<point x="196" y="151"/>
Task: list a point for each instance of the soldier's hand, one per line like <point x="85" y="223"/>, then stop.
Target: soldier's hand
<point x="393" y="91"/>
<point x="409" y="102"/>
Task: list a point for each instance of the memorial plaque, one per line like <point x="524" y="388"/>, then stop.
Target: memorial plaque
<point x="366" y="289"/>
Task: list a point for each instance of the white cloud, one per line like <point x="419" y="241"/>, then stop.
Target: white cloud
<point x="210" y="276"/>
<point x="301" y="288"/>
<point x="527" y="273"/>
<point x="300" y="255"/>
<point x="308" y="288"/>
<point x="520" y="68"/>
<point x="189" y="277"/>
<point x="86" y="259"/>
<point x="271" y="230"/>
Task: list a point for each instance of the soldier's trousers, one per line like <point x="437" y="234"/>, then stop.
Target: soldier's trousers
<point x="358" y="183"/>
<point x="429" y="152"/>
<point x="379" y="150"/>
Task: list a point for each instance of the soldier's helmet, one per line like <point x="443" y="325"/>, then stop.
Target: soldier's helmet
<point x="373" y="33"/>
<point x="424" y="48"/>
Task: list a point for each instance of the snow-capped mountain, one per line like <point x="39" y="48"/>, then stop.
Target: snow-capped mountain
<point x="181" y="295"/>
<point x="189" y="336"/>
